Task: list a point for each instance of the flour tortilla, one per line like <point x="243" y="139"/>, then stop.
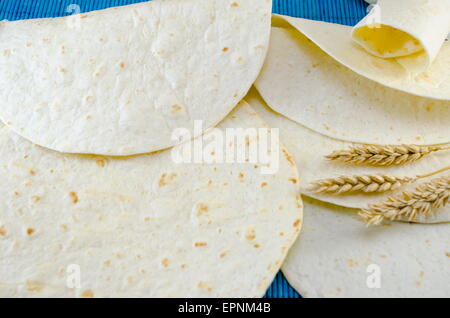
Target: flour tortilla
<point x="142" y="226"/>
<point x="336" y="41"/>
<point x="303" y="83"/>
<point x="333" y="252"/>
<point x="309" y="149"/>
<point x="122" y="81"/>
<point x="411" y="31"/>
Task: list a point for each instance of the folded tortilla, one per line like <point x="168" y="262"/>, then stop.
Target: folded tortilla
<point x="410" y="31"/>
<point x="119" y="81"/>
<point x="334" y="257"/>
<point x="336" y="41"/>
<point x="302" y="82"/>
<point x="142" y="226"/>
<point x="309" y="148"/>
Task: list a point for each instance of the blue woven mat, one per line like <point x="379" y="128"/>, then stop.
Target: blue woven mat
<point x="347" y="12"/>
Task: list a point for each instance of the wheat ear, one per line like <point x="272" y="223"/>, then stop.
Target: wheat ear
<point x="424" y="200"/>
<point x="384" y="155"/>
<point x="366" y="184"/>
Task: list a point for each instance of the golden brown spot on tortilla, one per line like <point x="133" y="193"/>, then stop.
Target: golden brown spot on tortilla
<point x="447" y="254"/>
<point x="119" y="255"/>
<point x="36" y="198"/>
<point x="288" y="157"/>
<point x="29" y="44"/>
<point x="183" y="266"/>
<point x="122" y="65"/>
<point x="2" y="231"/>
<point x="165" y="262"/>
<point x="45" y="40"/>
<point x="16" y="193"/>
<point x="204" y="285"/>
<point x="62" y="70"/>
<point x="351" y="263"/>
<point x="6" y="52"/>
<point x="281" y="234"/>
<point x="32" y="172"/>
<point x="298" y="200"/>
<point x="264" y="184"/>
<point x="256" y="166"/>
<point x="234" y="4"/>
<point x="175" y="108"/>
<point x="88" y="117"/>
<point x="223" y="254"/>
<point x="166" y="179"/>
<point x="250" y="234"/>
<point x="74" y="197"/>
<point x="260" y="46"/>
<point x="293" y="180"/>
<point x="101" y="163"/>
<point x="280" y="207"/>
<point x="202" y="208"/>
<point x="87" y="293"/>
<point x="107" y="262"/>
<point x="429" y="107"/>
<point x="88" y="99"/>
<point x="102" y="40"/>
<point x="200" y="244"/>
<point x="30" y="231"/>
<point x="241" y="175"/>
<point x="84" y="16"/>
<point x="256" y="246"/>
<point x="33" y="286"/>
<point x="417" y="283"/>
<point x="64" y="227"/>
<point x="297" y="223"/>
<point x="225" y="49"/>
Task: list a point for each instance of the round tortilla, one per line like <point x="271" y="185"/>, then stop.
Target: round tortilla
<point x="303" y="83"/>
<point x="142" y="226"/>
<point x="335" y="256"/>
<point x="119" y="81"/>
<point x="309" y="149"/>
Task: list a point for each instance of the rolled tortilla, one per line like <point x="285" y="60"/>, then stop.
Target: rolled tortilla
<point x="119" y="81"/>
<point x="309" y="149"/>
<point x="143" y="226"/>
<point x="335" y="257"/>
<point x="336" y="41"/>
<point x="302" y="82"/>
<point x="411" y="31"/>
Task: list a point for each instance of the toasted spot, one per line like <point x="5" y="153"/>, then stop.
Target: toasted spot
<point x="2" y="231"/>
<point x="183" y="266"/>
<point x="225" y="49"/>
<point x="107" y="262"/>
<point x="297" y="223"/>
<point x="166" y="179"/>
<point x="64" y="227"/>
<point x="447" y="254"/>
<point x="62" y="70"/>
<point x="33" y="286"/>
<point x="293" y="180"/>
<point x="36" y="198"/>
<point x="351" y="263"/>
<point x="175" y="108"/>
<point x="87" y="293"/>
<point x="288" y="157"/>
<point x="101" y="163"/>
<point x="30" y="231"/>
<point x="234" y="4"/>
<point x="6" y="52"/>
<point x="32" y="172"/>
<point x="241" y="175"/>
<point x="200" y="244"/>
<point x="165" y="262"/>
<point x="299" y="201"/>
<point x="250" y="234"/>
<point x="264" y="184"/>
<point x="122" y="65"/>
<point x="256" y="246"/>
<point x="88" y="99"/>
<point x="223" y="254"/>
<point x="73" y="197"/>
<point x="202" y="209"/>
<point x="281" y="234"/>
<point x="204" y="285"/>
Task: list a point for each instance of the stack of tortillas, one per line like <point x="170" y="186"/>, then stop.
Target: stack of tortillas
<point x="115" y="151"/>
<point x="365" y="113"/>
<point x="76" y="221"/>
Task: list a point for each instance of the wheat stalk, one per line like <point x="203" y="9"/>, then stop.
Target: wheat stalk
<point x="426" y="198"/>
<point x="384" y="155"/>
<point x="365" y="184"/>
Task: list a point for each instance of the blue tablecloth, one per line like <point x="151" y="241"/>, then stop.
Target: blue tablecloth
<point x="347" y="12"/>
